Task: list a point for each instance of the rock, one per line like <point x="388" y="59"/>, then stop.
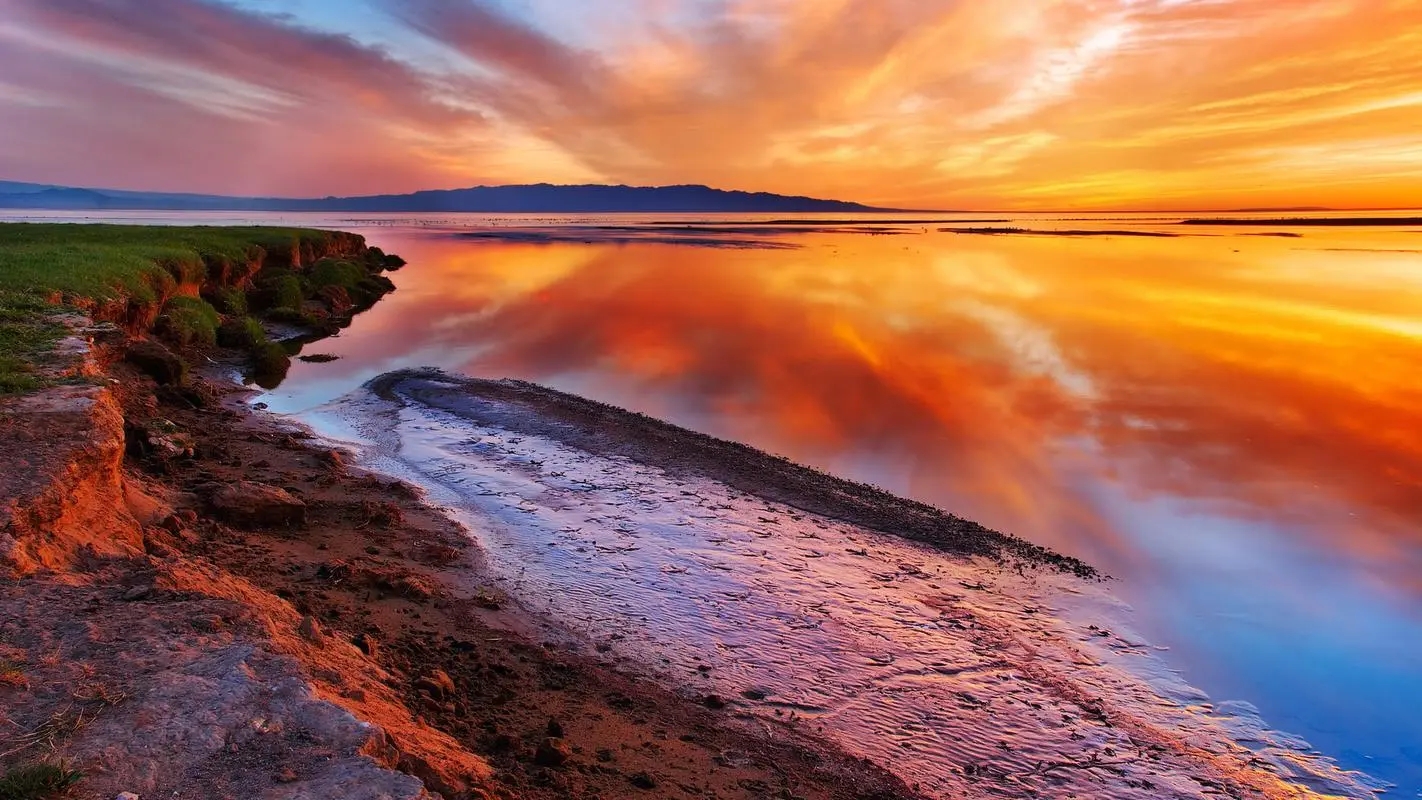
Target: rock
<point x="367" y="644"/>
<point x="156" y="361"/>
<point x="438" y="683"/>
<point x="255" y="504"/>
<point x="604" y="755"/>
<point x="126" y="796"/>
<point x="159" y="549"/>
<point x="642" y="780"/>
<point x="713" y="701"/>
<point x="137" y="593"/>
<point x="310" y="630"/>
<point x="552" y="752"/>
<point x="160" y="439"/>
<point x="555" y="728"/>
<point x="332" y="459"/>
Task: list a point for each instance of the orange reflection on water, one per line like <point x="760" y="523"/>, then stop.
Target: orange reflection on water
<point x="1006" y="378"/>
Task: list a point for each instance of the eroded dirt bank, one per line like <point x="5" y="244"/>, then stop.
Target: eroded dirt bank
<point x="209" y="606"/>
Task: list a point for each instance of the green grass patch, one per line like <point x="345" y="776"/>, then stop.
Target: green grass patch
<point x="243" y="332"/>
<point x="232" y="302"/>
<point x="27" y="335"/>
<point x="190" y="321"/>
<point x="108" y="261"/>
<point x="334" y="272"/>
<point x="283" y="289"/>
<point x="38" y="782"/>
<point x="270" y="362"/>
<point x="41" y="262"/>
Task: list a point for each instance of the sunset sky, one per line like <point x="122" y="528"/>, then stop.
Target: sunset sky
<point x="1046" y="104"/>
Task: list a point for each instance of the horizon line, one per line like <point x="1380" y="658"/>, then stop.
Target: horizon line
<point x="868" y="207"/>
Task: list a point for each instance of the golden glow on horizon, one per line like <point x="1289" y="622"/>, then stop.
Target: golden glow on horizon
<point x="1052" y="104"/>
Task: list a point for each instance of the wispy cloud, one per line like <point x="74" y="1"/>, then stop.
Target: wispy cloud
<point x="911" y="102"/>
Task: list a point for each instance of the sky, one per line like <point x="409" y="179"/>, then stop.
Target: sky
<point x="935" y="104"/>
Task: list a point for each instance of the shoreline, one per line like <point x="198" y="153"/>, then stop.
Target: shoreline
<point x="604" y="429"/>
<point x="200" y="600"/>
<point x="525" y="465"/>
<point x="362" y="621"/>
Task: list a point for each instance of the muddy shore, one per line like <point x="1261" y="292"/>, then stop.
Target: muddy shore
<point x="332" y="634"/>
<point x="599" y="428"/>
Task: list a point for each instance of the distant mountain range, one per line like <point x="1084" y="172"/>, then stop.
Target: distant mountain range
<point x="535" y="198"/>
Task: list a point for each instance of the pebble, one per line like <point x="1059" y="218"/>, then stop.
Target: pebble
<point x="126" y="796"/>
<point x="438" y="684"/>
<point x="552" y="752"/>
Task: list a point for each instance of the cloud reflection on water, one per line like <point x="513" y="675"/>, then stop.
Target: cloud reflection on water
<point x="996" y="377"/>
<point x="1229" y="424"/>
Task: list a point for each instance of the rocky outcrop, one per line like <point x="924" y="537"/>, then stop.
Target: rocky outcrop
<point x="64" y="495"/>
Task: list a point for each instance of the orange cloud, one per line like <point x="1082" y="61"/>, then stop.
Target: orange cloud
<point x="925" y="103"/>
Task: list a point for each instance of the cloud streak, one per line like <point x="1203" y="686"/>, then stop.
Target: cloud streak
<point x="933" y="103"/>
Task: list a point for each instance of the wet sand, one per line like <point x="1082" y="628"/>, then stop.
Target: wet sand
<point x="390" y="581"/>
<point x="964" y="664"/>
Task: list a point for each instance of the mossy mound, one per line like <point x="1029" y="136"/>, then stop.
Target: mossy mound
<point x="196" y="287"/>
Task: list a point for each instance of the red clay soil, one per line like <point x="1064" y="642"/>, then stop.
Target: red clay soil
<point x="378" y="599"/>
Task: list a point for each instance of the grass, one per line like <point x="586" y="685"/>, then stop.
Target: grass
<point x="110" y="261"/>
<point x="26" y="335"/>
<point x="270" y="362"/>
<point x="44" y="265"/>
<point x="191" y="321"/>
<point x="334" y="272"/>
<point x="12" y="674"/>
<point x="230" y="301"/>
<point x="285" y="290"/>
<point x="243" y="332"/>
<point x="38" y="782"/>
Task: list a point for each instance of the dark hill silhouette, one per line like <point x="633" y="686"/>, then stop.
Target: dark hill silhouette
<point x="536" y="198"/>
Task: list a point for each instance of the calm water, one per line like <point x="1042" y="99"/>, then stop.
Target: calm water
<point x="1228" y="423"/>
